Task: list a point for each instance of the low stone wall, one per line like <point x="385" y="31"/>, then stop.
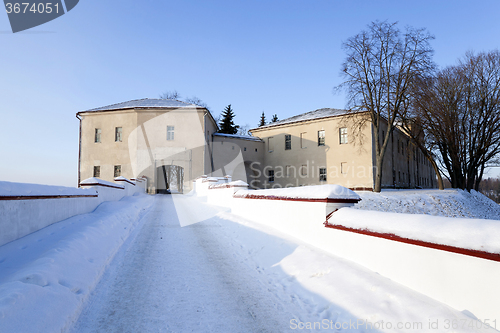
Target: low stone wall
<point x="462" y="278"/>
<point x="26" y="208"/>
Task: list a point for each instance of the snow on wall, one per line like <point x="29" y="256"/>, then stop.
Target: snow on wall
<point x="450" y="203"/>
<point x="48" y="275"/>
<point x="305" y="192"/>
<point x="473" y="234"/>
<point x="26" y="208"/>
<point x="25" y="189"/>
<point x="222" y="194"/>
<point x="202" y="183"/>
<point x="461" y="281"/>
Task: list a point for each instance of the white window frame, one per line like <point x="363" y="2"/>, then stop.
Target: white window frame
<point x="170" y="133"/>
<point x="118" y="134"/>
<point x="322" y="174"/>
<point x="288" y="142"/>
<point x="343" y="136"/>
<point x="97" y="135"/>
<point x="321" y="138"/>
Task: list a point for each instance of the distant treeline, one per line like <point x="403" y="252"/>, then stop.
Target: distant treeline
<point x="491" y="188"/>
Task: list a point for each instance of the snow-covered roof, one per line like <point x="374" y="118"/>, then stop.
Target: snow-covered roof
<point x="144" y="103"/>
<point x="311" y="115"/>
<point x="236" y="136"/>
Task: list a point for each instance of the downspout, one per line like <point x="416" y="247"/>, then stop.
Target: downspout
<point x="207" y="140"/>
<point x="79" y="147"/>
<point x="204" y="134"/>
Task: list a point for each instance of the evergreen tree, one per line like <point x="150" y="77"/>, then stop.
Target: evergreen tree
<point x="275" y="118"/>
<point x="262" y="120"/>
<point x="226" y="124"/>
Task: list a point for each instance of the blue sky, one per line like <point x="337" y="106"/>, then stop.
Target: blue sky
<point x="280" y="57"/>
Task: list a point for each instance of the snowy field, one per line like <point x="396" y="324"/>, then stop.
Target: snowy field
<point x="450" y="203"/>
<point x="140" y="265"/>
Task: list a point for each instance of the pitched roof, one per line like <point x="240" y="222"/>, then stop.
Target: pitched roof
<point x="144" y="103"/>
<point x="236" y="136"/>
<point x="311" y="115"/>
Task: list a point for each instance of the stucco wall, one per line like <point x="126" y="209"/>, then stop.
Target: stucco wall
<point x="24" y="215"/>
<point x="347" y="164"/>
<point x="144" y="146"/>
<point x="107" y="153"/>
<point x="404" y="166"/>
<point x="242" y="159"/>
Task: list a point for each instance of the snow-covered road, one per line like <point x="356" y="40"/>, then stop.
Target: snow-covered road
<point x="227" y="274"/>
<point x="180" y="279"/>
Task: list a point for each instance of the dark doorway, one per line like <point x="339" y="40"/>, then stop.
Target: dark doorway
<point x="169" y="179"/>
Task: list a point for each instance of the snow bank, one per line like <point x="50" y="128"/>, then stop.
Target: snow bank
<point x="465" y="282"/>
<point x="303" y="192"/>
<point x="26" y="189"/>
<point x="46" y="276"/>
<point x="474" y="234"/>
<point x="450" y="203"/>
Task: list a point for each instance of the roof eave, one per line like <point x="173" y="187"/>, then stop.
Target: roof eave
<point x="144" y="108"/>
<point x="302" y="121"/>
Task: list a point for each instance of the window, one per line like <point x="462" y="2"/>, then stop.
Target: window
<point x="322" y="174"/>
<point x="97" y="171"/>
<point x="117" y="171"/>
<point x="321" y="138"/>
<point x="398" y="146"/>
<point x="170" y="133"/>
<point x="343" y="167"/>
<point x="255" y="149"/>
<point x="245" y="149"/>
<point x="97" y="137"/>
<point x="343" y="135"/>
<point x="118" y="134"/>
<point x="303" y="140"/>
<point x="271" y="176"/>
<point x="288" y="142"/>
<point x="270" y="144"/>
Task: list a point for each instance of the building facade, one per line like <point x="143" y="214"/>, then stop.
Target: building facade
<point x="328" y="146"/>
<point x="172" y="143"/>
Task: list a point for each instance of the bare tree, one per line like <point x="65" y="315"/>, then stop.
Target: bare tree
<point x="196" y="101"/>
<point x="381" y="65"/>
<point x="173" y="94"/>
<point x="243" y="130"/>
<point x="459" y="111"/>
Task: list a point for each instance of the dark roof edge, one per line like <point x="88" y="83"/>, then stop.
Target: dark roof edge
<point x="144" y="107"/>
<point x="241" y="137"/>
<point x="304" y="120"/>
